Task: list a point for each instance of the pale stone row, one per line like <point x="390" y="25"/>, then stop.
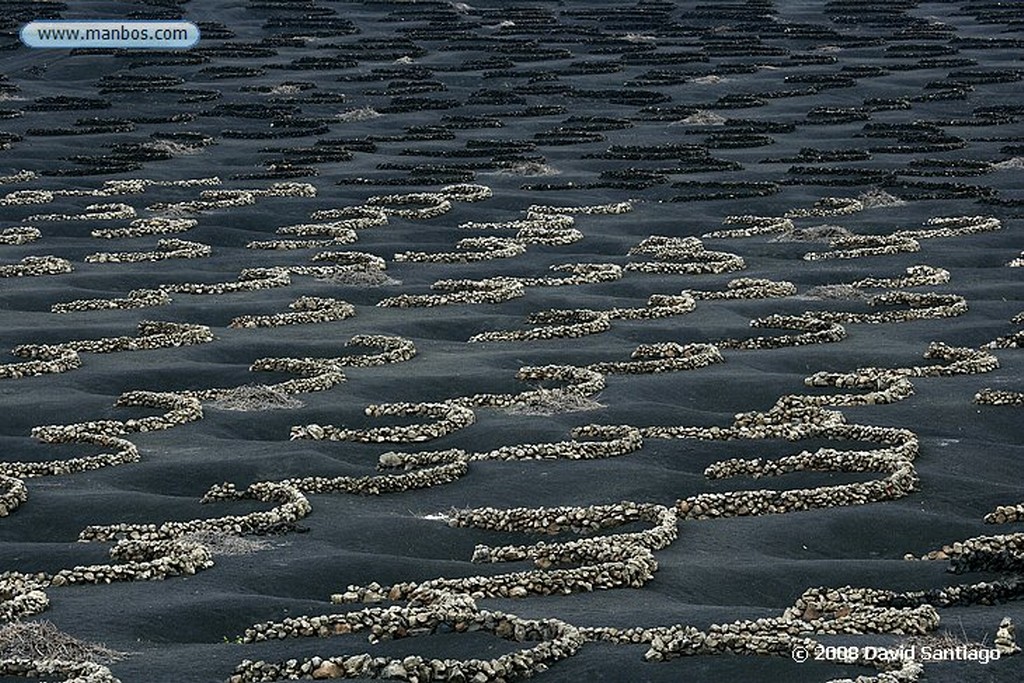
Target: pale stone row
<point x="62" y="361"/>
<point x="447" y="417"/>
<point x="612" y="208"/>
<point x="445" y="469"/>
<point x="922" y="306"/>
<point x="70" y="671"/>
<point x="12" y="494"/>
<point x="916" y="276"/>
<point x="581" y="520"/>
<point x="152" y="335"/>
<point x="658" y="306"/>
<point x="226" y="199"/>
<point x="663" y="357"/>
<point x="1005" y="513"/>
<point x="604" y="441"/>
<point x="553" y="324"/>
<point x="579" y="274"/>
<point x="140" y="561"/>
<point x="633" y="571"/>
<point x="32" y="266"/>
<point x="22" y="176"/>
<point x="21" y="234"/>
<point x="556" y="640"/>
<point x="290" y="506"/>
<point x="288" y="245"/>
<point x="93" y="212"/>
<point x="536" y="228"/>
<point x="249" y="280"/>
<point x="828" y="206"/>
<point x="110" y="188"/>
<point x="468" y="250"/>
<point x="306" y="310"/>
<point x="359" y="217"/>
<point x="993" y="397"/>
<point x="142" y="227"/>
<point x="1010" y="341"/>
<point x="753" y="225"/>
<point x="137" y="298"/>
<point x="166" y="249"/>
<point x="56" y="358"/>
<point x="812" y="330"/>
<point x="583" y="322"/>
<point x="998" y="553"/>
<point x="460" y="292"/>
<point x="534" y="219"/>
<point x="581" y="381"/>
<point x="747" y="288"/>
<point x="682" y="255"/>
<point x="858" y="246"/>
<point x="107" y="433"/>
<point x="22" y="595"/>
<point x="341" y="231"/>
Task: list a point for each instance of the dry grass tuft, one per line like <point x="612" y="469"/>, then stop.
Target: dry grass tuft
<point x="879" y="199"/>
<point x="840" y="292"/>
<point x="553" y="402"/>
<point x="361" y="114"/>
<point x="814" y="233"/>
<point x="527" y="168"/>
<point x="220" y="543"/>
<point x="366" y="277"/>
<point x="43" y="640"/>
<point x="254" y="397"/>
